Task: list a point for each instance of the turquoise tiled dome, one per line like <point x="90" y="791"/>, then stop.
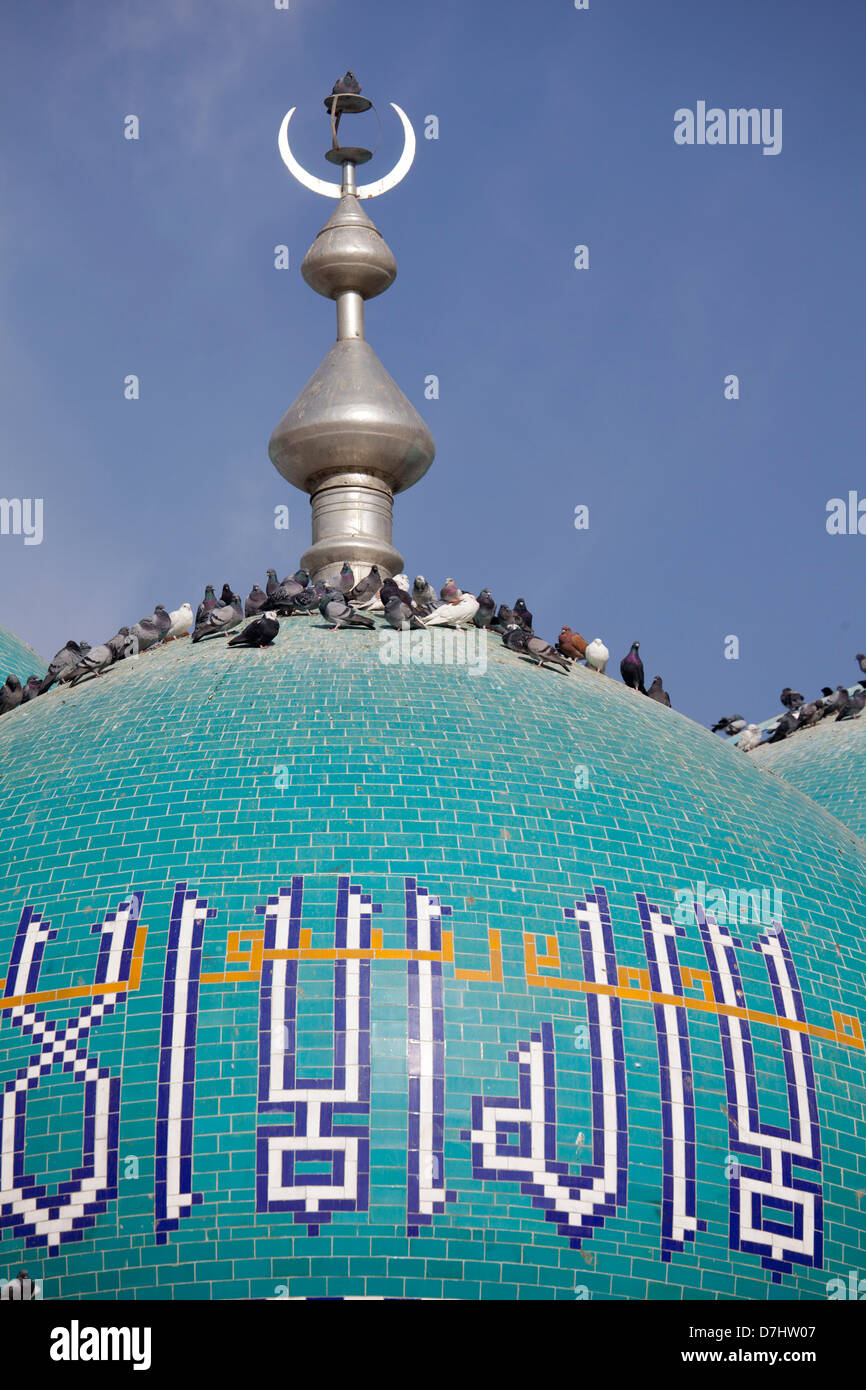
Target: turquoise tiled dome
<point x="389" y="993"/>
<point x="17" y="659"/>
<point x="828" y="763"/>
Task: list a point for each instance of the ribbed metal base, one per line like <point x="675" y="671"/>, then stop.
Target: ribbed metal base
<point x="352" y="518"/>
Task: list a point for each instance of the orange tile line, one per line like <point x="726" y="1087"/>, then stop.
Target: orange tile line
<point x="56" y="996"/>
<point x="847" y="1029"/>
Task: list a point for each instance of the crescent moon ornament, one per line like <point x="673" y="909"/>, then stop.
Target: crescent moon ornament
<point x="334" y="190"/>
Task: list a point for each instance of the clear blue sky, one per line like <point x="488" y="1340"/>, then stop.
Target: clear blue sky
<point x="558" y="387"/>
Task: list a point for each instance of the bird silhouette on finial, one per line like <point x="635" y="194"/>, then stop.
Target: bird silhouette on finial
<point x="344" y="86"/>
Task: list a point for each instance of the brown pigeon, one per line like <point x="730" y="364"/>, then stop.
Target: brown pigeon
<point x="571" y="644"/>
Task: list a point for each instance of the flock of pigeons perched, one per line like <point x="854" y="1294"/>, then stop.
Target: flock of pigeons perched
<point x="344" y="604"/>
<point x="798" y="714"/>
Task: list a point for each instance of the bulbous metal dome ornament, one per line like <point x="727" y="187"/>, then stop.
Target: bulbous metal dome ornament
<point x="352" y="439"/>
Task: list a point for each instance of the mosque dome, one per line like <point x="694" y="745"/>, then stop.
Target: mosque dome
<point x="379" y="965"/>
<point x="392" y="992"/>
<point x="828" y="763"/>
<point x="17" y="659"/>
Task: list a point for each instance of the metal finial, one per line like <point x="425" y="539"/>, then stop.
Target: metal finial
<point x="351" y="439"/>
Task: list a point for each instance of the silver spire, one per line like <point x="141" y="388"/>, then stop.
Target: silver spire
<point x="352" y="439"/>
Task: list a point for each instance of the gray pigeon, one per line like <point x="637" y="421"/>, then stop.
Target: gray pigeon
<point x="220" y="620"/>
<point x="347" y="578"/>
<point x="162" y="618"/>
<point x="505" y="618"/>
<point x="208" y="603"/>
<point x="257" y="601"/>
<point x="305" y="602"/>
<point x="854" y="707"/>
<point x="519" y="639"/>
<point x="812" y="713"/>
<point x="785" y="727"/>
<point x="791" y="699"/>
<point x="344" y="86"/>
<point x="145" y="633"/>
<point x="399" y="614"/>
<point x="367" y="588"/>
<point x="98" y="659"/>
<point x="11" y="694"/>
<point x="259" y="633"/>
<point x="449" y="591"/>
<point x="835" y="700"/>
<point x="523" y="615"/>
<point x="31" y="688"/>
<point x="486" y="609"/>
<point x="656" y="692"/>
<point x="70" y="655"/>
<point x="337" y="611"/>
<point x="861" y="662"/>
<point x="120" y="643"/>
<point x="281" y="596"/>
<point x="731" y="724"/>
<point x="424" y="594"/>
<point x="543" y="652"/>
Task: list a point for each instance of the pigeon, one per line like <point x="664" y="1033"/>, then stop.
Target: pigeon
<point x="11" y="694"/>
<point x="514" y="637"/>
<point x="631" y="669"/>
<point x="861" y="661"/>
<point x="367" y="589"/>
<point x="731" y="724"/>
<point x="786" y="726"/>
<point x="835" y="700"/>
<point x="571" y="644"/>
<point x="256" y="602"/>
<point x="68" y="656"/>
<point x="656" y="692"/>
<point x="750" y="738"/>
<point x="208" y="602"/>
<point x="305" y="602"/>
<point x="148" y="632"/>
<point x="449" y="591"/>
<point x="392" y="588"/>
<point x="344" y="86"/>
<point x="347" y="578"/>
<point x="97" y="660"/>
<point x="854" y="707"/>
<point x="542" y="652"/>
<point x="281" y="596"/>
<point x="259" y="633"/>
<point x="336" y="610"/>
<point x="31" y="688"/>
<point x="811" y="714"/>
<point x="454" y="612"/>
<point x="791" y="699"/>
<point x="181" y="622"/>
<point x="120" y="644"/>
<point x="349" y="84"/>
<point x="597" y="655"/>
<point x="524" y="617"/>
<point x="506" y="617"/>
<point x="399" y="614"/>
<point x="219" y="620"/>
<point x="486" y="609"/>
<point x="423" y="593"/>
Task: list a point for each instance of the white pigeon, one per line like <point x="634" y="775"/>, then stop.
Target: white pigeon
<point x="459" y="610"/>
<point x="750" y="738"/>
<point x="181" y="622"/>
<point x="597" y="655"/>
